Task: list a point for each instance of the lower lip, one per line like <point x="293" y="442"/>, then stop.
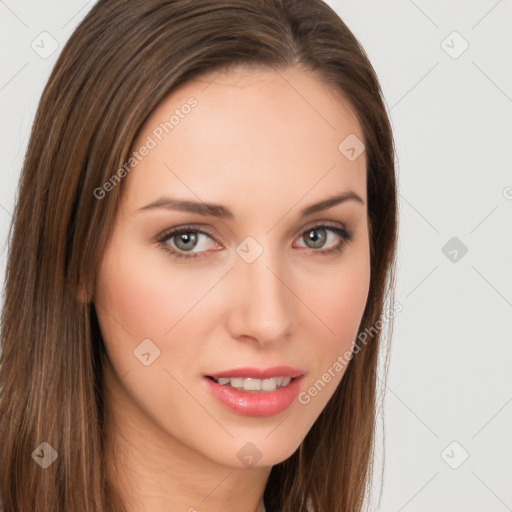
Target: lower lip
<point x="255" y="403"/>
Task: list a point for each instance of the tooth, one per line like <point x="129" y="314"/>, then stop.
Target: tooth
<point x="269" y="384"/>
<point x="252" y="384"/>
<point x="237" y="382"/>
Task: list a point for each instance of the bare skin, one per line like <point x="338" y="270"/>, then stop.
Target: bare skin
<point x="265" y="145"/>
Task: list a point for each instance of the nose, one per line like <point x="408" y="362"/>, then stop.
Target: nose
<point x="260" y="300"/>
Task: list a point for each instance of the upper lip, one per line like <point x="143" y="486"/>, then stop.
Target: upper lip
<point x="259" y="373"/>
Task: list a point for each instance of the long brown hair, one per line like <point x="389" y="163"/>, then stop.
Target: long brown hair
<point x="120" y="62"/>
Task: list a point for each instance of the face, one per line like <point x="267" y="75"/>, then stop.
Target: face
<point x="261" y="287"/>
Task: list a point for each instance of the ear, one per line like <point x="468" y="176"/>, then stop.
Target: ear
<point x="82" y="295"/>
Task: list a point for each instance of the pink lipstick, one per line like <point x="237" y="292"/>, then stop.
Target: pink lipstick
<point x="255" y="391"/>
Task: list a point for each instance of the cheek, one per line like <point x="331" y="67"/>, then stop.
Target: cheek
<point x="348" y="289"/>
<point x="341" y="305"/>
<point x="143" y="296"/>
<point x="344" y="304"/>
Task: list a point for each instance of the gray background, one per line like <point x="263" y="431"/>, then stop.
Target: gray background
<point x="449" y="393"/>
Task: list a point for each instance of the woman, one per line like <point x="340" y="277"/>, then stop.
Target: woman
<point x="203" y="239"/>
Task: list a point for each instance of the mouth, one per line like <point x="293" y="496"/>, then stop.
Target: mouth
<point x="255" y="391"/>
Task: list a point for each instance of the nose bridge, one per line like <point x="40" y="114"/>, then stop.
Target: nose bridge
<point x="261" y="304"/>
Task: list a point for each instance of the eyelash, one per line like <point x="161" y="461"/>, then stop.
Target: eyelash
<point x="346" y="236"/>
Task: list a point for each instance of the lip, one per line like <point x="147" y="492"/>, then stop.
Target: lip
<point x="254" y="403"/>
<point x="259" y="373"/>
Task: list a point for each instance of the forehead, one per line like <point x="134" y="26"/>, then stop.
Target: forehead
<point x="250" y="134"/>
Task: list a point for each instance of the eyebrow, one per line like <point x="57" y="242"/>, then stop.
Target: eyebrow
<point x="221" y="212"/>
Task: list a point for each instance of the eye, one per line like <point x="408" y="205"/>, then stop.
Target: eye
<point x="181" y="242"/>
<point x="316" y="237"/>
<point x="185" y="239"/>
